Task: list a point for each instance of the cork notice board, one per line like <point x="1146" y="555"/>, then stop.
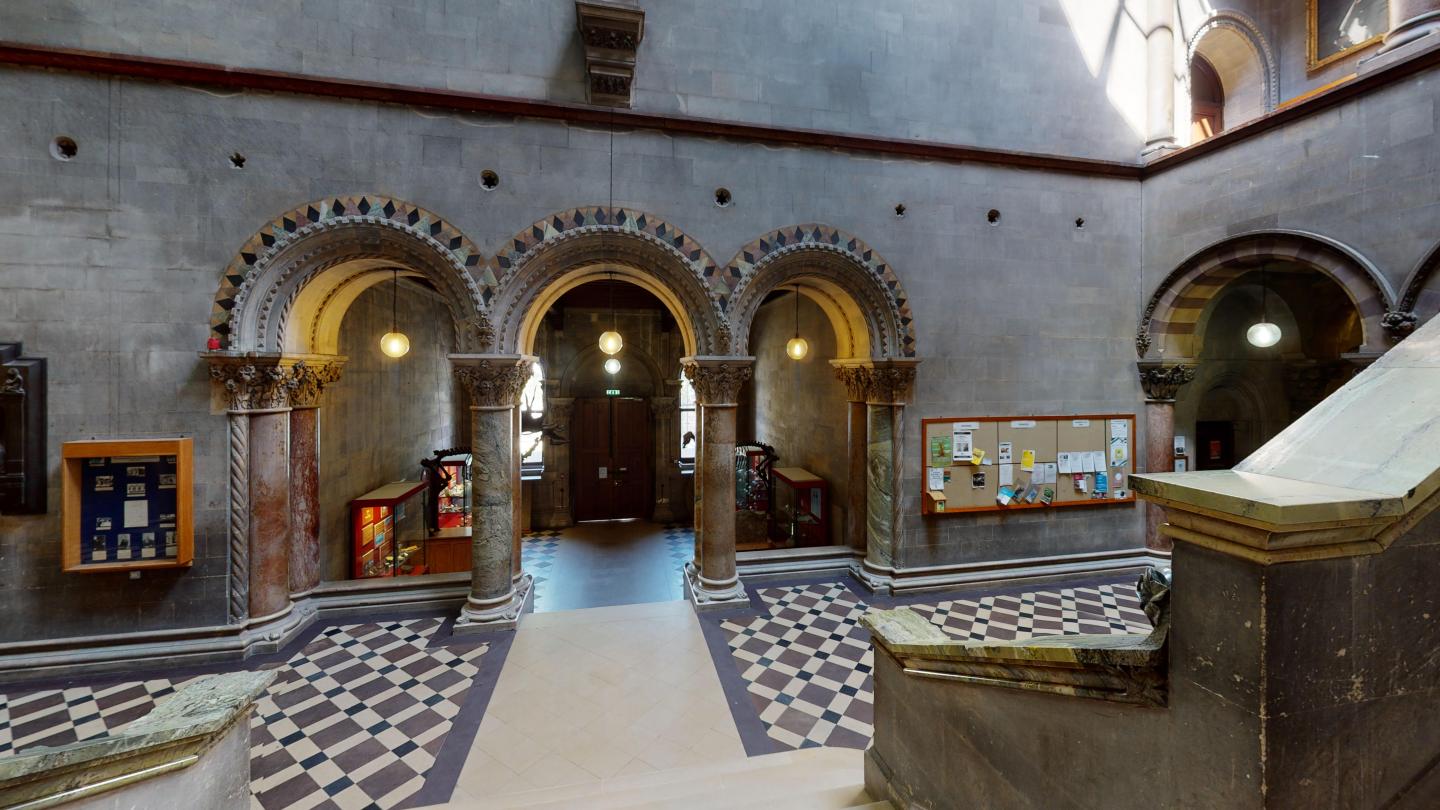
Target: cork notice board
<point x="1036" y="462"/>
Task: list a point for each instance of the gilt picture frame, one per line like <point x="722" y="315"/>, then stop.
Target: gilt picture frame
<point x="1337" y="29"/>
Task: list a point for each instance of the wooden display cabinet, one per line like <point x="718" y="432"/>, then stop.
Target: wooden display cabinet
<point x="453" y="502"/>
<point x="388" y="531"/>
<point x="128" y="505"/>
<point x="799" y="510"/>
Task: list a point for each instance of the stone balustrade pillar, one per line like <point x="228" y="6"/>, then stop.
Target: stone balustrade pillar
<point x="497" y="593"/>
<point x="711" y="578"/>
<point x="1160" y="383"/>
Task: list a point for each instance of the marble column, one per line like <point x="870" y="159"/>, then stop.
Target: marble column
<point x="311" y="376"/>
<point x="711" y="579"/>
<point x="517" y="528"/>
<point x="885" y="385"/>
<point x="1409" y="21"/>
<point x="1160" y="76"/>
<point x="856" y="451"/>
<point x="1160" y="383"/>
<point x="497" y="595"/>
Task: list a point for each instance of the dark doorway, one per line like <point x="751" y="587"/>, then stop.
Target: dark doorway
<point x="1214" y="445"/>
<point x="612" y="455"/>
<point x="1207" y="101"/>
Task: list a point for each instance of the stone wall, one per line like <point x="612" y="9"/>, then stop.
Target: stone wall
<point x="385" y="414"/>
<point x="800" y="407"/>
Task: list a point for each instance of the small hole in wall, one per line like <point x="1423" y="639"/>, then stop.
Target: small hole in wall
<point x="900" y="210"/>
<point x="993" y="217"/>
<point x="1079" y="223"/>
<point x="722" y="197"/>
<point x="237" y="160"/>
<point x="64" y="148"/>
<point x="489" y="180"/>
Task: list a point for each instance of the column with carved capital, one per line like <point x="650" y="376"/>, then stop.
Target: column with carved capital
<point x="1160" y="383"/>
<point x="856" y="381"/>
<point x="311" y="374"/>
<point x="257" y="389"/>
<point x="711" y="580"/>
<point x="885" y="386"/>
<point x="494" y="383"/>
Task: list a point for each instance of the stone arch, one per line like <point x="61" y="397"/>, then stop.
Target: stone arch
<point x="1179" y="302"/>
<point x="1233" y="44"/>
<point x="290" y="284"/>
<point x="1417" y="303"/>
<point x="569" y="248"/>
<point x="856" y="288"/>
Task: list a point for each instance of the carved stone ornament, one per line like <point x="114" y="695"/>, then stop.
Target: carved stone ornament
<point x="252" y="384"/>
<point x="482" y="332"/>
<point x="493" y="381"/>
<point x="13" y="382"/>
<point x="880" y="382"/>
<point x="1161" y="382"/>
<point x="309" y="380"/>
<point x="1399" y="324"/>
<point x="718" y="380"/>
<point x="611" y="33"/>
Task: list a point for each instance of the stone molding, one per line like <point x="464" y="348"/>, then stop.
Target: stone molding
<point x="717" y="380"/>
<point x="492" y="380"/>
<point x="268" y="382"/>
<point x="611" y="34"/>
<point x="877" y="382"/>
<point x="1161" y="382"/>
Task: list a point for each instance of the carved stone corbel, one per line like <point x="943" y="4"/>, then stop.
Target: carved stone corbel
<point x="1161" y="382"/>
<point x="310" y="378"/>
<point x="877" y="382"/>
<point x="611" y="33"/>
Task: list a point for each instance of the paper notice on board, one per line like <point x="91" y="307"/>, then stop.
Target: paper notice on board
<point x="1048" y="473"/>
<point x="1007" y="475"/>
<point x="963" y="442"/>
<point x="977" y="457"/>
<point x="1027" y="460"/>
<point x="1099" y="460"/>
<point x="1119" y="442"/>
<point x="1006" y="449"/>
<point x="137" y="514"/>
<point x="1064" y="464"/>
<point x="937" y="478"/>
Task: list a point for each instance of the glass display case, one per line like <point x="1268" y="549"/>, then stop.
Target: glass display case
<point x="453" y="501"/>
<point x="752" y="477"/>
<point x="800" y="506"/>
<point x="388" y="531"/>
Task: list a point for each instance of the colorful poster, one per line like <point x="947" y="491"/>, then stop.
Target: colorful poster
<point x="964" y="446"/>
<point x="1027" y="460"/>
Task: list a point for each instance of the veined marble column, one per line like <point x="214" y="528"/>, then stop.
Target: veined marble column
<point x="1160" y="383"/>
<point x="1410" y="20"/>
<point x="1160" y="76"/>
<point x="518" y="500"/>
<point x="885" y="385"/>
<point x="311" y="376"/>
<point x="711" y="579"/>
<point x="856" y="450"/>
<point x="497" y="596"/>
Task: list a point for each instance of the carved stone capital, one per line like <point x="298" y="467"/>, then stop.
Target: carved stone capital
<point x="311" y="375"/>
<point x="492" y="380"/>
<point x="263" y="382"/>
<point x="1160" y="382"/>
<point x="877" y="382"/>
<point x="1399" y="324"/>
<point x="717" y="380"/>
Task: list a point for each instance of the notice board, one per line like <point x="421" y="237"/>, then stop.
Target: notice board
<point x="1005" y="463"/>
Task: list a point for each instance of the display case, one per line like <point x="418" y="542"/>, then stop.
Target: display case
<point x="388" y="531"/>
<point x="799" y="507"/>
<point x="453" y="502"/>
<point x="128" y="505"/>
<point x="752" y="477"/>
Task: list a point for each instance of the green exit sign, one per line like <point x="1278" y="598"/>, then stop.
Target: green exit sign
<point x="612" y="392"/>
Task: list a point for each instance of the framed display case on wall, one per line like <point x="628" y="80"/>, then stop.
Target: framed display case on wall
<point x="388" y="531"/>
<point x="128" y="505"/>
<point x="1338" y="28"/>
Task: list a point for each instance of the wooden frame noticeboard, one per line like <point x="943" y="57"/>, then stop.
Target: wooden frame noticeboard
<point x="1048" y="442"/>
<point x="128" y="505"/>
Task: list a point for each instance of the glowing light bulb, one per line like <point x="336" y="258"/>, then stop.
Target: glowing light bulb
<point x="797" y="348"/>
<point x="612" y="365"/>
<point x="610" y="342"/>
<point x="395" y="344"/>
<point x="1263" y="335"/>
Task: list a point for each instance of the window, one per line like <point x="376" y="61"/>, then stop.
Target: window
<point x="532" y="418"/>
<point x="1207" y="100"/>
<point x="689" y="432"/>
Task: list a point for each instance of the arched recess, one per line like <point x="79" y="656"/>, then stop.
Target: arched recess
<point x="1233" y="44"/>
<point x="570" y="248"/>
<point x="591" y="358"/>
<point x="288" y="288"/>
<point x="1418" y="302"/>
<point x="855" y="287"/>
<point x="1178" y="303"/>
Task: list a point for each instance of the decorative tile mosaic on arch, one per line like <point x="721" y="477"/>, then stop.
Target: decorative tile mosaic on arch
<point x="278" y="231"/>
<point x="807" y="664"/>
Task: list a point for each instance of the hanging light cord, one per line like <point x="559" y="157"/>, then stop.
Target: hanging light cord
<point x="394" y="293"/>
<point x="797" y="310"/>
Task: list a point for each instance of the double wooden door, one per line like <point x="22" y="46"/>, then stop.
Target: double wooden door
<point x="611" y="452"/>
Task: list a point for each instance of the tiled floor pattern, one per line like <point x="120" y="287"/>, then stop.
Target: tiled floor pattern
<point x="807" y="664"/>
<point x="603" y="564"/>
<point x="353" y="720"/>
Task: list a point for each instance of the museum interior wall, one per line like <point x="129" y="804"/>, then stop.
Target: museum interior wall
<point x="800" y="408"/>
<point x="384" y="414"/>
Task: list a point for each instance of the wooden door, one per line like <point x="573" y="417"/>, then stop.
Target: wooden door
<point x="610" y="452"/>
<point x="1214" y="445"/>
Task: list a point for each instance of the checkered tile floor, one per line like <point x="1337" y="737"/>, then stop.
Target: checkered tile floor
<point x="353" y="720"/>
<point x="807" y="664"/>
<point x="537" y="556"/>
<point x="680" y="545"/>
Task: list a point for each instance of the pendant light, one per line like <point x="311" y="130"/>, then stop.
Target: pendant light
<point x="797" y="348"/>
<point x="1264" y="334"/>
<point x="394" y="343"/>
<point x="612" y="366"/>
<point x="611" y="342"/>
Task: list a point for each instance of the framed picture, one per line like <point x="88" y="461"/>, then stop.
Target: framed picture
<point x="121" y="498"/>
<point x="1182" y="465"/>
<point x="1338" y="28"/>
